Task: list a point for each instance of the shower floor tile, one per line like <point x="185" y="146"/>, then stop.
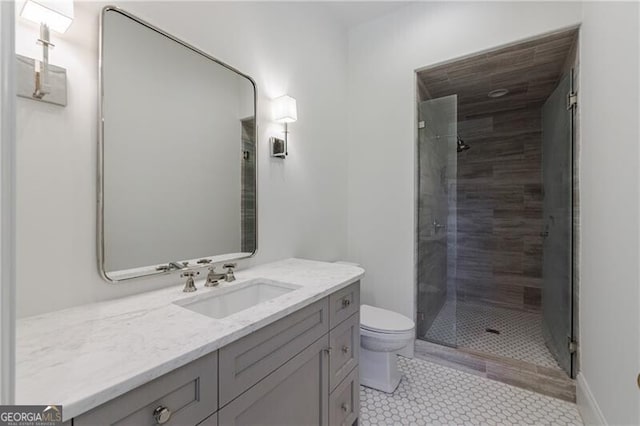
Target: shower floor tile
<point x="520" y="332"/>
<point x="430" y="394"/>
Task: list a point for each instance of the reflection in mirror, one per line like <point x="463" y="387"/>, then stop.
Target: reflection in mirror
<point x="178" y="153"/>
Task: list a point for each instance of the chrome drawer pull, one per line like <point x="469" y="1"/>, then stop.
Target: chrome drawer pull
<point x="162" y="414"/>
<point x="345" y="407"/>
<point x="346" y="303"/>
<point x="345" y="349"/>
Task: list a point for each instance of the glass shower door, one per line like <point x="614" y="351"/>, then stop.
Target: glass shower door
<point x="557" y="175"/>
<point x="436" y="233"/>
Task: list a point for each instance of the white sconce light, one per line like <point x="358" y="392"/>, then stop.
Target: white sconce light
<point x="50" y="81"/>
<point x="285" y="111"/>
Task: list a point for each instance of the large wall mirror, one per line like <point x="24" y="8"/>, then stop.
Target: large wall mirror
<point x="177" y="154"/>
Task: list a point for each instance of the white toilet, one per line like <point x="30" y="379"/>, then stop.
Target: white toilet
<point x="383" y="334"/>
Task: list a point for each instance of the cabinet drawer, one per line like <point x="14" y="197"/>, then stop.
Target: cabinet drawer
<point x="344" y="341"/>
<point x="344" y="303"/>
<point x="295" y="394"/>
<point x="189" y="392"/>
<point x="344" y="401"/>
<point x="253" y="357"/>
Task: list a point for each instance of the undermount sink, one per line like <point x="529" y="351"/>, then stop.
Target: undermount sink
<point x="226" y="301"/>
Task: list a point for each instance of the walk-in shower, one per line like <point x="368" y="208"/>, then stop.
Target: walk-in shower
<point x="495" y="222"/>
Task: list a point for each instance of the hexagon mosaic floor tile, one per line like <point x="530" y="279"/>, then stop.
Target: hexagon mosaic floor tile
<point x="430" y="394"/>
<point x="465" y="325"/>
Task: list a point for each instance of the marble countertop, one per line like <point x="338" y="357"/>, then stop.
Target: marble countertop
<point x="87" y="355"/>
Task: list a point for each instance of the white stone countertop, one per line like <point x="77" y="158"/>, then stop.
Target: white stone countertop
<point x="84" y="356"/>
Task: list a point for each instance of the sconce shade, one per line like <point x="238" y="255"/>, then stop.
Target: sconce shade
<point x="56" y="14"/>
<point x="285" y="109"/>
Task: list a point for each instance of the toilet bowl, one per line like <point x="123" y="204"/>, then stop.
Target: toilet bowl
<point x="383" y="334"/>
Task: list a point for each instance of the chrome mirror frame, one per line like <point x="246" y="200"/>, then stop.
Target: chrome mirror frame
<point x="155" y="270"/>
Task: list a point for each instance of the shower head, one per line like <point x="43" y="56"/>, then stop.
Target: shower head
<point x="461" y="145"/>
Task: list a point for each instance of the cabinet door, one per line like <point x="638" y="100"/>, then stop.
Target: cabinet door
<point x="247" y="361"/>
<point x="295" y="394"/>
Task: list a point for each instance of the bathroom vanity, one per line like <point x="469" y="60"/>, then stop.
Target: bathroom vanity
<point x="157" y="358"/>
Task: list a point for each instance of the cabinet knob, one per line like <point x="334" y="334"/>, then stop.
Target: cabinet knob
<point x="328" y="350"/>
<point x="162" y="414"/>
<point x="345" y="349"/>
<point x="346" y="407"/>
<point x="346" y="303"/>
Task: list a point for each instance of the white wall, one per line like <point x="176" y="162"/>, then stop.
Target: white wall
<point x="609" y="291"/>
<point x="383" y="55"/>
<point x="286" y="48"/>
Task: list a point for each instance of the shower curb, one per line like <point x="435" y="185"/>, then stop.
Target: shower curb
<point x="546" y="381"/>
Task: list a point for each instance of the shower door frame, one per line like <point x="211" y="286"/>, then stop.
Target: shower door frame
<point x="575" y="192"/>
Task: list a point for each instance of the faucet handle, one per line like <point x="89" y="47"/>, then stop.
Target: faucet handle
<point x="203" y="261"/>
<point x="190" y="285"/>
<point x="229" y="275"/>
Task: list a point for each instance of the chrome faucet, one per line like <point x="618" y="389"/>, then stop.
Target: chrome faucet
<point x="178" y="266"/>
<point x="213" y="279"/>
<point x="172" y="265"/>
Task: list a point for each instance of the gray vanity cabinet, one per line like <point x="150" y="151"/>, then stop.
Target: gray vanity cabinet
<point x="295" y="394"/>
<point x="300" y="370"/>
<point x="252" y="358"/>
<point x="185" y="396"/>
<point x="316" y="382"/>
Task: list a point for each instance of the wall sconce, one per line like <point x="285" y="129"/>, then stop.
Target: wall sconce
<point x="38" y="80"/>
<point x="284" y="111"/>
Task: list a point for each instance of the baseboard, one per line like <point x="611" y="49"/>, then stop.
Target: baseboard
<point x="587" y="404"/>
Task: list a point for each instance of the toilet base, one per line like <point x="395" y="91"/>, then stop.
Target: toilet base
<point x="379" y="370"/>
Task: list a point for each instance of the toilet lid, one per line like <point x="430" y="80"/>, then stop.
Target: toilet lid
<point x="383" y="321"/>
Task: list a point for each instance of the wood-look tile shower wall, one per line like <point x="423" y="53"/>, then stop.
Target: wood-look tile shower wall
<point x="499" y="210"/>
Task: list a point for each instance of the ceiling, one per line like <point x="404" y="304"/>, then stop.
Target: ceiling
<point x="529" y="70"/>
<point x="354" y="13"/>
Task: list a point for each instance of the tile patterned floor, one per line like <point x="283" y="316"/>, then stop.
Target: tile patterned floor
<point x="520" y="335"/>
<point x="430" y="394"/>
